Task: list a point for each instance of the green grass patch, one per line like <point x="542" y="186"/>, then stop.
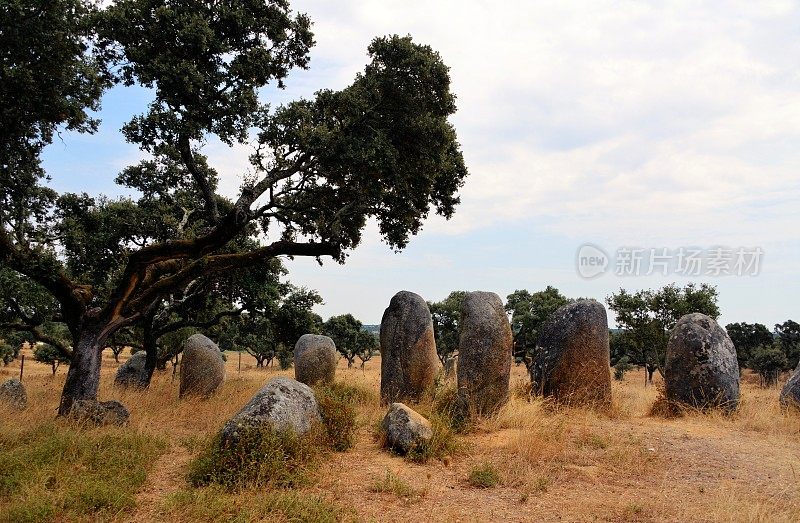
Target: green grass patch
<point x="60" y="472"/>
<point x="394" y="484"/>
<point x="217" y="504"/>
<point x="262" y="457"/>
<point x="483" y="475"/>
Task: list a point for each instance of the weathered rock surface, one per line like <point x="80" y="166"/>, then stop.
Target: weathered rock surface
<point x="484" y="353"/>
<point x="12" y="393"/>
<point x="572" y="359"/>
<point x="701" y="369"/>
<point x="202" y="367"/>
<point x="314" y="359"/>
<point x="132" y="372"/>
<point x="409" y="363"/>
<point x="99" y="412"/>
<point x="405" y="428"/>
<point x="283" y="404"/>
<point x="790" y="394"/>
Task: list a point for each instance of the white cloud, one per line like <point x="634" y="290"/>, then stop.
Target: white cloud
<point x="659" y="123"/>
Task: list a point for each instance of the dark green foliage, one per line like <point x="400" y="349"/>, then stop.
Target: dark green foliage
<point x="788" y="334"/>
<point x="204" y="60"/>
<point x="37" y="472"/>
<point x="621" y="367"/>
<point x="768" y="360"/>
<point x="646" y="318"/>
<point x="8" y="353"/>
<point x="50" y="80"/>
<point x="350" y="337"/>
<point x="746" y="337"/>
<point x="337" y="406"/>
<point x="446" y="315"/>
<point x="45" y="353"/>
<point x="262" y="458"/>
<point x="529" y="312"/>
<point x="483" y="475"/>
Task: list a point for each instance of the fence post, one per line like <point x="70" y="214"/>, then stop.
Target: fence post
<point x="21" y="367"/>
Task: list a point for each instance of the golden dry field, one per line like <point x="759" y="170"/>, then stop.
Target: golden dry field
<point x="551" y="463"/>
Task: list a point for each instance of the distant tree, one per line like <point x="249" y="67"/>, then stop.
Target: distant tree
<point x="621" y="367"/>
<point x="446" y="315"/>
<point x="349" y="336"/>
<point x="647" y="317"/>
<point x="529" y="312"/>
<point x="746" y="337"/>
<point x="768" y="360"/>
<point x="788" y="334"/>
<point x="8" y="352"/>
<point x="370" y="343"/>
<point x="45" y="353"/>
<point x="267" y="334"/>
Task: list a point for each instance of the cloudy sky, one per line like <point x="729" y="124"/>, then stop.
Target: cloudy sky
<point x="624" y="124"/>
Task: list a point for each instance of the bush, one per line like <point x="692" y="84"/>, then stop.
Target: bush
<point x="38" y="480"/>
<point x="768" y="361"/>
<point x="7" y="353"/>
<point x="337" y="406"/>
<point x="621" y="367"/>
<point x="483" y="476"/>
<point x="262" y="457"/>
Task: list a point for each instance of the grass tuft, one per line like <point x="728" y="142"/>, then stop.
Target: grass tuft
<point x="484" y="475"/>
<point x="394" y="484"/>
<point x="217" y="504"/>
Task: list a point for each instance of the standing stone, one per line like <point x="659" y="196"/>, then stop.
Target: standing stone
<point x="283" y="404"/>
<point x="701" y="369"/>
<point x="790" y="394"/>
<point x="12" y="393"/>
<point x="484" y="353"/>
<point x="314" y="359"/>
<point x="202" y="367"/>
<point x="572" y="362"/>
<point x="409" y="363"/>
<point x="405" y="428"/>
<point x="132" y="372"/>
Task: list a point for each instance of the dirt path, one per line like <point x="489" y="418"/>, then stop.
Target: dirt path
<point x="167" y="476"/>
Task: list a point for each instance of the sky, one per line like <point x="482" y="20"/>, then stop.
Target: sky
<point x="632" y="126"/>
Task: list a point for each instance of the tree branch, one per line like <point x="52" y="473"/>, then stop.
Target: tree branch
<point x="171" y="327"/>
<point x="38" y="335"/>
<point x="210" y="197"/>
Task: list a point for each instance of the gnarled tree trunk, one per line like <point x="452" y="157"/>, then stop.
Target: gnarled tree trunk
<point x="83" y="377"/>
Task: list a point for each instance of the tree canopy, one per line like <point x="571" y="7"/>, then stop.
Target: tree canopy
<point x="381" y="149"/>
<point x="529" y="312"/>
<point x="646" y="318"/>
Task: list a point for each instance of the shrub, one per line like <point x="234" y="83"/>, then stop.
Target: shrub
<point x="621" y="367"/>
<point x="337" y="406"/>
<point x="262" y="457"/>
<point x="483" y="476"/>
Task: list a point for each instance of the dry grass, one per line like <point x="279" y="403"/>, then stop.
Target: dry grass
<point x="551" y="461"/>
